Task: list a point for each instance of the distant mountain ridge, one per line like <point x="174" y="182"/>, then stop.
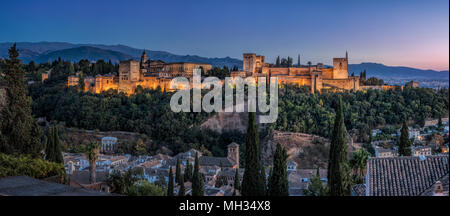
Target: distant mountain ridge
<point x="49" y="51"/>
<point x="396" y="72"/>
<point x="40" y="52"/>
<point x="83" y="52"/>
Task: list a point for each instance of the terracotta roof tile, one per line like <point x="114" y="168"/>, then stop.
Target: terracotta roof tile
<point x="404" y="176"/>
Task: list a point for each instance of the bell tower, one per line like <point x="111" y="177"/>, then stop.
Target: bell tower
<point x="233" y="153"/>
<point x="144" y="57"/>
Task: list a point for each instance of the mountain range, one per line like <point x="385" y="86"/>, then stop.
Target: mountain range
<point x="40" y="52"/>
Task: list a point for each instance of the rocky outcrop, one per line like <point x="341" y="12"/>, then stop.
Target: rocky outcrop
<point x="226" y="122"/>
<point x="308" y="151"/>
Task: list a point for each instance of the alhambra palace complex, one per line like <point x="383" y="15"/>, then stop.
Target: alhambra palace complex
<point x="155" y="73"/>
<point x="315" y="76"/>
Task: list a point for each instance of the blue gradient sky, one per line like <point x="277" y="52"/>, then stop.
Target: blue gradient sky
<point x="408" y="33"/>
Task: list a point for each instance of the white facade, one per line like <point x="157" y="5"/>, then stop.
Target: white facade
<point x="108" y="144"/>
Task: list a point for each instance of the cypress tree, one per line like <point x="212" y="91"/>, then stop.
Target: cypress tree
<point x="440" y="124"/>
<point x="237" y="181"/>
<point x="20" y="132"/>
<point x="182" y="189"/>
<point x="278" y="182"/>
<point x="188" y="171"/>
<point x="251" y="183"/>
<point x="278" y="61"/>
<point x="404" y="146"/>
<point x="177" y="171"/>
<point x="48" y="141"/>
<point x="81" y="82"/>
<point x="197" y="180"/>
<point x="338" y="156"/>
<point x="262" y="176"/>
<point x="170" y="186"/>
<point x="53" y="151"/>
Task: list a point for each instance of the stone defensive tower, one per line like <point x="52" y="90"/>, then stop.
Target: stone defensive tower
<point x="129" y="73"/>
<point x="233" y="153"/>
<point x="252" y="63"/>
<point x="340" y="67"/>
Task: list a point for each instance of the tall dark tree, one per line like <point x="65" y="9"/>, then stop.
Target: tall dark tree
<point x="188" y="171"/>
<point x="237" y="180"/>
<point x="278" y="181"/>
<point x="170" y="185"/>
<point x="404" y="145"/>
<point x="337" y="161"/>
<point x="181" y="192"/>
<point x="290" y="61"/>
<point x="439" y="125"/>
<point x="53" y="151"/>
<point x="20" y="132"/>
<point x="197" y="180"/>
<point x="81" y="82"/>
<point x="251" y="182"/>
<point x="177" y="171"/>
<point x="277" y="63"/>
<point x="262" y="176"/>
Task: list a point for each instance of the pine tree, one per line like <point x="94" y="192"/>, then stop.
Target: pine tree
<point x="188" y="171"/>
<point x="278" y="182"/>
<point x="315" y="188"/>
<point x="404" y="146"/>
<point x="177" y="171"/>
<point x="278" y="61"/>
<point x="197" y="180"/>
<point x="181" y="192"/>
<point x="337" y="161"/>
<point x="237" y="180"/>
<point x="20" y="132"/>
<point x="170" y="186"/>
<point x="251" y="183"/>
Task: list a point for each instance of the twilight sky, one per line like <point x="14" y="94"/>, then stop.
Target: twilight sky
<point x="395" y="32"/>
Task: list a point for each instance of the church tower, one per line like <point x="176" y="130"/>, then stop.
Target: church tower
<point x="233" y="153"/>
<point x="144" y="58"/>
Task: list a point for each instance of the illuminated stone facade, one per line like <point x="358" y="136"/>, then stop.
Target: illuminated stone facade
<point x="316" y="76"/>
<point x="146" y="73"/>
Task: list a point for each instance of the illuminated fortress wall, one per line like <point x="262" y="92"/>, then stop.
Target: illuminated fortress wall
<point x="315" y="76"/>
<point x="146" y="73"/>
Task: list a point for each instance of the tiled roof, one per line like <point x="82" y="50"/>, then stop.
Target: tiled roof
<point x="359" y="190"/>
<point x="26" y="186"/>
<point x="404" y="176"/>
<point x="211" y="161"/>
<point x="82" y="177"/>
<point x="430" y="190"/>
